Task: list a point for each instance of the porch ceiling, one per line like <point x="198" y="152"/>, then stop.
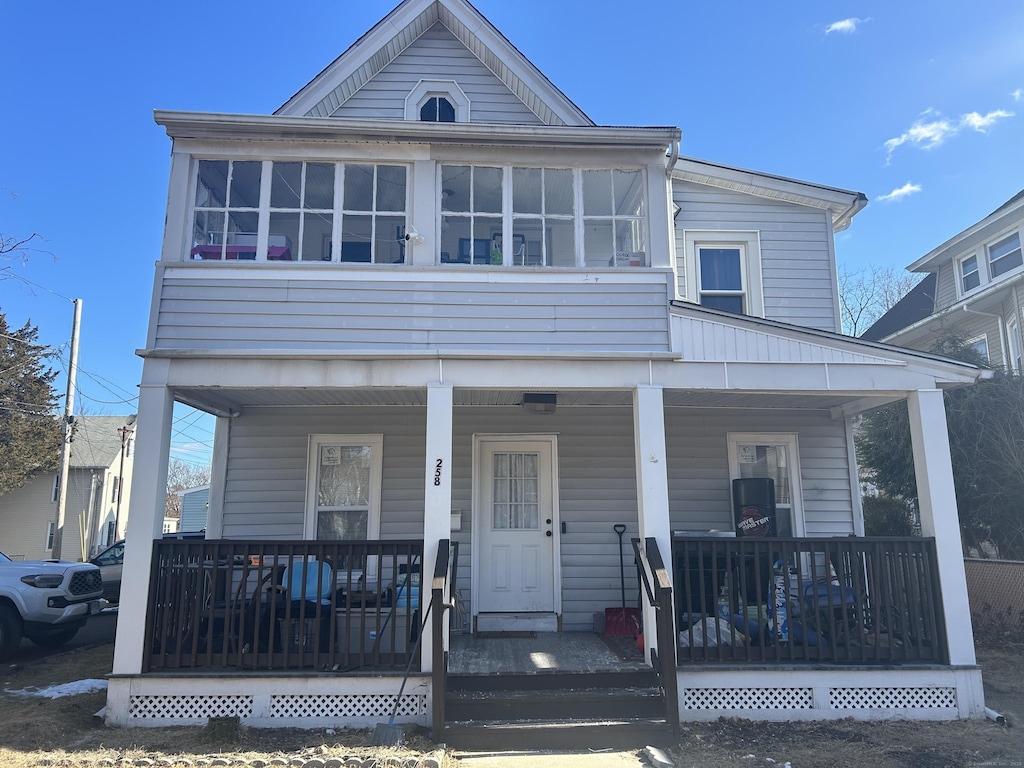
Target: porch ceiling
<point x="227" y="401"/>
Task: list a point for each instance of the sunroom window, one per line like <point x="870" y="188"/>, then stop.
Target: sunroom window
<point x="341" y="212"/>
<point x="227" y="203"/>
<point x="560" y="217"/>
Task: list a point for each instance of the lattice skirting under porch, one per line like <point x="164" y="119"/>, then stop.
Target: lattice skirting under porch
<point x="265" y="702"/>
<point x="863" y="694"/>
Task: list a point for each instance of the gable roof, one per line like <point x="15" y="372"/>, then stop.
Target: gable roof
<point x="918" y="304"/>
<point x="404" y="25"/>
<point x="96" y="442"/>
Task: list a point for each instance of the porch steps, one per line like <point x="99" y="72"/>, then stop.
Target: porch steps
<point x="555" y="711"/>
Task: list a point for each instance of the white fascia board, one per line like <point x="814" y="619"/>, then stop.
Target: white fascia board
<point x="191" y="125"/>
<point x="943" y="253"/>
<point x="841" y="203"/>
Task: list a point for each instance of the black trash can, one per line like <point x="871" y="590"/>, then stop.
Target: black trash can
<point x="753" y="505"/>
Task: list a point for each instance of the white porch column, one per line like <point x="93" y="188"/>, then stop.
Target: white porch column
<point x="145" y="522"/>
<point x="437" y="495"/>
<point x="939" y="518"/>
<point x="652" y="475"/>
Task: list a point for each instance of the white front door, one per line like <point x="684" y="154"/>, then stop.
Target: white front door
<point x="515" y="524"/>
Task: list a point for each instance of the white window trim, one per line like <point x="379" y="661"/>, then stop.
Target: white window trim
<point x="51" y="532"/>
<point x="376" y="443"/>
<point x="749" y="244"/>
<point x="982" y="265"/>
<point x="995" y="241"/>
<point x="428" y="89"/>
<point x="1013" y="344"/>
<point x="982" y="254"/>
<point x="789" y="439"/>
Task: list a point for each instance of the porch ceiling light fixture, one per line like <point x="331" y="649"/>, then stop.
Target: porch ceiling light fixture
<point x="539" y="402"/>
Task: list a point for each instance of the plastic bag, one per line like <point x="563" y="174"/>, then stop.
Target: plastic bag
<point x="710" y="632"/>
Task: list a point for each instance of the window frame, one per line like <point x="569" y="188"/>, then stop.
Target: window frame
<point x="51" y="532"/>
<point x="1019" y="250"/>
<point x="749" y="244"/>
<point x="339" y="210"/>
<point x="579" y="218"/>
<point x="792" y="443"/>
<point x="311" y="508"/>
<point x="425" y="90"/>
<point x="979" y="273"/>
<point x="979" y="344"/>
<point x="982" y="254"/>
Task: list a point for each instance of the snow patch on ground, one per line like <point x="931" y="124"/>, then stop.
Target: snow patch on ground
<point x="60" y="691"/>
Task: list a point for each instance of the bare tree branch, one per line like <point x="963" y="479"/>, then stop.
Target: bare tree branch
<point x="867" y="294"/>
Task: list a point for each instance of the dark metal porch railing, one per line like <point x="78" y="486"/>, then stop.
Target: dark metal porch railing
<point x="845" y="600"/>
<point x="658" y="589"/>
<point x="338" y="606"/>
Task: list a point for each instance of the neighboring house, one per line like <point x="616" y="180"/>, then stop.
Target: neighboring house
<point x="431" y="304"/>
<point x="98" y="485"/>
<point x="194" y="504"/>
<point x="973" y="284"/>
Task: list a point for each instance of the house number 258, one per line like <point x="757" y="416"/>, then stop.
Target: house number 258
<point x="437" y="472"/>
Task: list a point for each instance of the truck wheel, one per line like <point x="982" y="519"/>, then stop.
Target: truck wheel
<point x="10" y="631"/>
<point x="53" y="639"/>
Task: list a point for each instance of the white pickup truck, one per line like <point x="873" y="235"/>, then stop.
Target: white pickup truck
<point x="47" y="601"/>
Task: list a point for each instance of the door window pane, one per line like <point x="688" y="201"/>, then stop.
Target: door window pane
<point x="516" y="491"/>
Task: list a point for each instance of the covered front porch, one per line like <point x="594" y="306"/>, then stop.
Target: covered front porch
<point x="524" y="507"/>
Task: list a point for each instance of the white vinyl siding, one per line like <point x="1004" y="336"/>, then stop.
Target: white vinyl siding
<point x="436" y="55"/>
<point x="796" y="260"/>
<point x="946" y="290"/>
<point x="266" y="478"/>
<point x="319" y="310"/>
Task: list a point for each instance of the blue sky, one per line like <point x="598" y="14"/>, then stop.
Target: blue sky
<point x="918" y="105"/>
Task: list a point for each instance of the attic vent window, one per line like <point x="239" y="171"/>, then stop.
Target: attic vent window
<point x="437" y="110"/>
<point x="437" y="101"/>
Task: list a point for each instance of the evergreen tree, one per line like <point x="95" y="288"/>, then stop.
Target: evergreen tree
<point x="30" y="434"/>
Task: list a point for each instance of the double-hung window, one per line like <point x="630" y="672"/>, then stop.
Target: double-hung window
<point x="227" y="204"/>
<point x="774" y="456"/>
<point x="1004" y="255"/>
<point x="970" y="277"/>
<point x="344" y="487"/>
<point x="721" y="277"/>
<point x="723" y="271"/>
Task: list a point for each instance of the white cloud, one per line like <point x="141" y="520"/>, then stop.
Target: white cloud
<point x="931" y="129"/>
<point x="899" y="193"/>
<point x="845" y="26"/>
<point x="1017" y="94"/>
<point x="982" y="123"/>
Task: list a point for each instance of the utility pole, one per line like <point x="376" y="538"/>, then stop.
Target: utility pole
<point x="68" y="432"/>
<point x="125" y="432"/>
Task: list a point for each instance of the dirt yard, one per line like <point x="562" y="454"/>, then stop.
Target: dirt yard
<point x="36" y="731"/>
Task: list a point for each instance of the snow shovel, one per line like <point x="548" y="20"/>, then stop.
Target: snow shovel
<point x="389" y="734"/>
<point x="621" y="622"/>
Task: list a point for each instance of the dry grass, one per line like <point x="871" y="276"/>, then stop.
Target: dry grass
<point x="37" y="731"/>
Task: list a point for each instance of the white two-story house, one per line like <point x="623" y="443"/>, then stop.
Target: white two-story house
<point x="454" y="335"/>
